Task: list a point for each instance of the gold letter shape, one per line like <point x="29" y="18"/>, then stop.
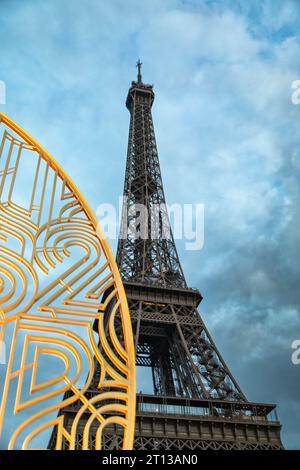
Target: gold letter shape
<point x="58" y="278"/>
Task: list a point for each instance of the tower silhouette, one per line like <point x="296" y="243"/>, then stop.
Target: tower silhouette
<point x="195" y="402"/>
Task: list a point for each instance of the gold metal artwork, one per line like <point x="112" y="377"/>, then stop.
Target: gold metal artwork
<point x="55" y="266"/>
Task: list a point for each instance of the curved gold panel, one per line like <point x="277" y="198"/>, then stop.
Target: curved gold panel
<point x="57" y="276"/>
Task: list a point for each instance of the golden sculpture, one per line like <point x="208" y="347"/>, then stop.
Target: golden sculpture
<point x="55" y="265"/>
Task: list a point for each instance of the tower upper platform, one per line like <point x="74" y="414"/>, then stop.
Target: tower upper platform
<point x="139" y="91"/>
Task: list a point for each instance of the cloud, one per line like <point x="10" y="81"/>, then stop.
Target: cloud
<point x="227" y="135"/>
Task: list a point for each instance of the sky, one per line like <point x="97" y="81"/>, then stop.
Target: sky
<point x="228" y="137"/>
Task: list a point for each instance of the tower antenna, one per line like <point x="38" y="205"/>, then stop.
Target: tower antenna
<point x="139" y="66"/>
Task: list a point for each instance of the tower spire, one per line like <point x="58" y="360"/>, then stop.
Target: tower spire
<point x="139" y="66"/>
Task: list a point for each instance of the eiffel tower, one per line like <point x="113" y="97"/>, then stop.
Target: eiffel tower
<point x="196" y="403"/>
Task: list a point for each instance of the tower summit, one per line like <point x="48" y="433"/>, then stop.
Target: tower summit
<point x="195" y="402"/>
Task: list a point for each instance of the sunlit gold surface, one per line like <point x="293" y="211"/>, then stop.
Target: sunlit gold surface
<point x="54" y="267"/>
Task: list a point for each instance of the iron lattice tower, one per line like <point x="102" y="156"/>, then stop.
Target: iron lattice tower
<point x="186" y="362"/>
<point x="196" y="402"/>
